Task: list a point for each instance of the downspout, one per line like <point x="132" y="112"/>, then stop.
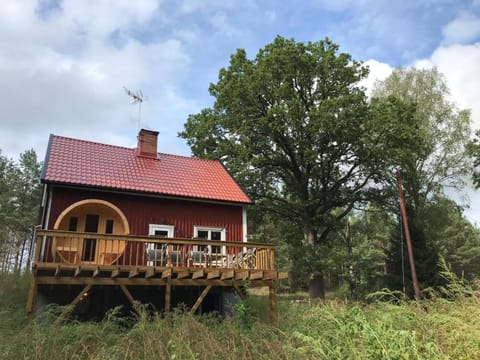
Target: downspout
<point x="46" y="216"/>
<point x="244" y="226"/>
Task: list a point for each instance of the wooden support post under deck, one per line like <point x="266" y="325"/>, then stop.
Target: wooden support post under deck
<point x="168" y="295"/>
<point x="240" y="292"/>
<point x="200" y="299"/>
<point x="81" y="295"/>
<point x="32" y="297"/>
<point x="273" y="303"/>
<point x="128" y="295"/>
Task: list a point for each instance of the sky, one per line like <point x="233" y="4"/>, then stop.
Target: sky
<point x="64" y="64"/>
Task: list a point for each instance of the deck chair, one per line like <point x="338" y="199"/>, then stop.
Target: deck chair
<point x="244" y="260"/>
<point x="156" y="254"/>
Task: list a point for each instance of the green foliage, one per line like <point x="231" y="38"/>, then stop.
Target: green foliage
<point x="434" y="158"/>
<point x="294" y="127"/>
<point x="20" y="194"/>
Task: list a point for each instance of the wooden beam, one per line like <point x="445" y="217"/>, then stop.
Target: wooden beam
<point x="96" y="272"/>
<point x="115" y="273"/>
<point x="149" y="273"/>
<point x="255" y="275"/>
<point x="198" y="274"/>
<point x="128" y="295"/>
<point x="139" y="281"/>
<point x="183" y="274"/>
<point x="200" y="299"/>
<point x="133" y="273"/>
<point x="214" y="274"/>
<point x="168" y="295"/>
<point x="78" y="270"/>
<point x="167" y="273"/>
<point x="282" y="275"/>
<point x="81" y="295"/>
<point x="241" y="274"/>
<point x="240" y="292"/>
<point x="227" y="274"/>
<point x="270" y="275"/>
<point x="273" y="304"/>
<point x="57" y="270"/>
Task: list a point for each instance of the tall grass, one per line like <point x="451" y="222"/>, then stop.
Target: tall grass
<point x="434" y="329"/>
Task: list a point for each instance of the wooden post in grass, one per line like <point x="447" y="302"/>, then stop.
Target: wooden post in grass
<point x="168" y="295"/>
<point x="32" y="297"/>
<point x="403" y="209"/>
<point x="273" y="303"/>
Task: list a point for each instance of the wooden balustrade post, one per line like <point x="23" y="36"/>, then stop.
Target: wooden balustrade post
<point x="169" y="255"/>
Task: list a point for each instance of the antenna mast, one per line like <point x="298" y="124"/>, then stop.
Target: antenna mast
<point x="138" y="98"/>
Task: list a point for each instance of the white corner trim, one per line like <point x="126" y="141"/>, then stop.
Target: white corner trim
<point x="244" y="224"/>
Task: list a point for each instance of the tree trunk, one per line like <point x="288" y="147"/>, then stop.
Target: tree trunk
<point x="317" y="282"/>
<point x="317" y="286"/>
<point x="351" y="271"/>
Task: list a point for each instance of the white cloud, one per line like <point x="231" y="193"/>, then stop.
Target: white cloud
<point x="62" y="74"/>
<point x="194" y="6"/>
<point x="222" y="24"/>
<point x="464" y="29"/>
<point x="460" y="65"/>
<point x="378" y="71"/>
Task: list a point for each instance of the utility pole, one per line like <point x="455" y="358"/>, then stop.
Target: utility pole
<point x="403" y="210"/>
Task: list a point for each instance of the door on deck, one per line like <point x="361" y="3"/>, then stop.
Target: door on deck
<point x="216" y="254"/>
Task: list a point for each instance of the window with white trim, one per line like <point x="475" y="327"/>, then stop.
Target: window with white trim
<point x="161" y="230"/>
<point x="157" y="252"/>
<point x="211" y="233"/>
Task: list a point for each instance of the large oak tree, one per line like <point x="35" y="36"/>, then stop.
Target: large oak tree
<point x="295" y="129"/>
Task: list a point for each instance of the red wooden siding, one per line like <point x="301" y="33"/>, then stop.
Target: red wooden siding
<point x="143" y="210"/>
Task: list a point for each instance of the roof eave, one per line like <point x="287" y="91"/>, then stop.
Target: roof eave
<point x="147" y="193"/>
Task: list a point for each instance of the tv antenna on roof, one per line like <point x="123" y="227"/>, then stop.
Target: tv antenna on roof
<point x="138" y="98"/>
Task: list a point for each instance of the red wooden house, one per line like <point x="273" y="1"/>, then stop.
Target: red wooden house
<point x="158" y="228"/>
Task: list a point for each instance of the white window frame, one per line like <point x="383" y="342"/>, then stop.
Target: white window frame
<point x="169" y="228"/>
<point x="151" y="232"/>
<point x="222" y="232"/>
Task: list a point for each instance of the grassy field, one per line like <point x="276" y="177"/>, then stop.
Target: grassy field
<point x="434" y="329"/>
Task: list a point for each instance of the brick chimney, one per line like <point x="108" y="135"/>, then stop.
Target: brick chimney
<point x="147" y="143"/>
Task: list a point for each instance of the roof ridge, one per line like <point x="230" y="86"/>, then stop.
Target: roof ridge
<point x="131" y="149"/>
<point x="93" y="142"/>
<point x="189" y="157"/>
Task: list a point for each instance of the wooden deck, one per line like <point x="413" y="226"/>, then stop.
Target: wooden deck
<point x="90" y="259"/>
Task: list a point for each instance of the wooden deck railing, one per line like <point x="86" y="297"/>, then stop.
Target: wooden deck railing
<point x="64" y="247"/>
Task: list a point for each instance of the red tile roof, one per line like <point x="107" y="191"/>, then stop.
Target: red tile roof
<point x="85" y="163"/>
